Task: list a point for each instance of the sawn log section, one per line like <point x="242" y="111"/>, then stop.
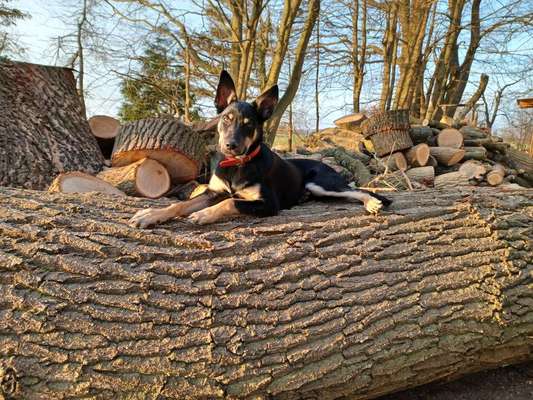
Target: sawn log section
<point x="320" y="302"/>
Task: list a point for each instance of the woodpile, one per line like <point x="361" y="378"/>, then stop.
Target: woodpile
<point x="149" y="158"/>
<point x="434" y="155"/>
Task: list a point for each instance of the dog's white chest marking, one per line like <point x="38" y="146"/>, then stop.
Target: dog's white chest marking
<point x="218" y="185"/>
<point x="252" y="192"/>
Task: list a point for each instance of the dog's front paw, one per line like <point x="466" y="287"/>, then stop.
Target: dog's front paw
<point x="202" y="217"/>
<point x="373" y="205"/>
<point x="145" y="218"/>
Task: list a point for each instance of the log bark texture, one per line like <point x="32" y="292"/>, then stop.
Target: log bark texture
<point x="319" y="302"/>
<point x="178" y="146"/>
<point x="42" y="131"/>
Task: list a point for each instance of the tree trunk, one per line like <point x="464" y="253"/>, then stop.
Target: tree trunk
<point x="179" y="147"/>
<point x="321" y="302"/>
<point x="43" y="131"/>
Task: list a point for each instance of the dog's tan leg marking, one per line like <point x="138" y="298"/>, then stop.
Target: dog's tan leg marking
<point x="152" y="216"/>
<point x="225" y="208"/>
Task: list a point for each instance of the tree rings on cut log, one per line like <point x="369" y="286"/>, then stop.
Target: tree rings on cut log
<point x="495" y="177"/>
<point x="177" y="146"/>
<point x="104" y="129"/>
<point x="418" y="156"/>
<point x="79" y="182"/>
<point x="447" y="155"/>
<point x="146" y="178"/>
<point x="450" y="137"/>
<point x="350" y="122"/>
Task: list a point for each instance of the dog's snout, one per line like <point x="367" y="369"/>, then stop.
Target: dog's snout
<point x="231" y="145"/>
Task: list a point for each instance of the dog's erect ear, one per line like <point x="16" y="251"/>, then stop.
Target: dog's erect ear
<point x="266" y="103"/>
<point x="226" y="92"/>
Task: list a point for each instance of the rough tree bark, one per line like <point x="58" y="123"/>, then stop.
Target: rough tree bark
<point x="320" y="302"/>
<point x="43" y="130"/>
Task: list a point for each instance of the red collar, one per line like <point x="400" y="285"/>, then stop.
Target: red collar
<point x="232" y="161"/>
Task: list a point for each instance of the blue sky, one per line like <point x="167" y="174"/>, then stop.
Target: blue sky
<point x="38" y="32"/>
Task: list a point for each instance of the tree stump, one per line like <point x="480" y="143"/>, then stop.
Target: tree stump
<point x="43" y="131"/>
<point x="322" y="301"/>
<point x="179" y="147"/>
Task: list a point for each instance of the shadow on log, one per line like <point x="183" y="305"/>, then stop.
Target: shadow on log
<point x="320" y="302"/>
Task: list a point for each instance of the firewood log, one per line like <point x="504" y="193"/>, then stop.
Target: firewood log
<point x="79" y="182"/>
<point x="423" y="175"/>
<point x="473" y="169"/>
<point x="417" y="156"/>
<point x="396" y="161"/>
<point x="447" y="155"/>
<point x="450" y="137"/>
<point x="423" y="134"/>
<point x="451" y="180"/>
<point x="350" y="122"/>
<point x="43" y="131"/>
<point x="470" y="132"/>
<point x="146" y="178"/>
<point x="179" y="147"/>
<point x="475" y="153"/>
<point x="105" y="129"/>
<point x="321" y="302"/>
<point x="496" y="175"/>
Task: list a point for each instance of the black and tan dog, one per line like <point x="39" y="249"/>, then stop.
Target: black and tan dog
<point x="251" y="179"/>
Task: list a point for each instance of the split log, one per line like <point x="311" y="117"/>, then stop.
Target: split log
<point x="496" y="175"/>
<point x="450" y="137"/>
<point x="447" y="155"/>
<point x="79" y="182"/>
<point x="352" y="306"/>
<point x="450" y="180"/>
<point x="146" y="178"/>
<point x="105" y="129"/>
<point x="423" y="175"/>
<point x="43" y="131"/>
<point x="473" y="169"/>
<point x="417" y="156"/>
<point x="179" y="147"/>
<point x="475" y="153"/>
<point x="350" y="122"/>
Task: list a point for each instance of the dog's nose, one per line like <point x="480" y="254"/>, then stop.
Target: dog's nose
<point x="231" y="145"/>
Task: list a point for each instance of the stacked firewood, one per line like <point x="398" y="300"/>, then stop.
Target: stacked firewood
<point x="147" y="158"/>
<point x="396" y="154"/>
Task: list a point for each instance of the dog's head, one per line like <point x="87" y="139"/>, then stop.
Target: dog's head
<point x="240" y="126"/>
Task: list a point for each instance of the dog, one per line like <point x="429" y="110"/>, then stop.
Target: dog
<point x="250" y="178"/>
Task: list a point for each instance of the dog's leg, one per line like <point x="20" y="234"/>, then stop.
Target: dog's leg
<point x="152" y="216"/>
<point x="233" y="207"/>
<point x="371" y="202"/>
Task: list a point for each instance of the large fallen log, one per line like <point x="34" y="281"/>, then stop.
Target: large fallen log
<point x="320" y="302"/>
<point x="42" y="128"/>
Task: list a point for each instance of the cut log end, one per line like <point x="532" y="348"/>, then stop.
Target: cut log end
<point x="450" y="137"/>
<point x="79" y="182"/>
<point x="495" y="177"/>
<point x="447" y="156"/>
<point x="152" y="180"/>
<point x="418" y="155"/>
<point x="104" y="127"/>
<point x="181" y="168"/>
